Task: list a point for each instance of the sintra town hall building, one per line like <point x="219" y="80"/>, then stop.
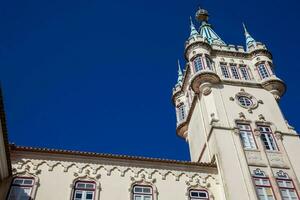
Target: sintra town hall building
<point x="226" y="102"/>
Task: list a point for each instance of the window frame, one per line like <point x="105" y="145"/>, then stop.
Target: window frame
<point x="234" y="66"/>
<point x="208" y="62"/>
<point x="200" y="57"/>
<point x="262" y="177"/>
<point x="247" y="131"/>
<point x="246" y="72"/>
<point x="286" y="179"/>
<point x="75" y="188"/>
<point x="245" y="99"/>
<point x="265" y="68"/>
<point x="21" y="186"/>
<point x="270" y="133"/>
<point x="151" y="194"/>
<point x="225" y="67"/>
<point x="198" y="190"/>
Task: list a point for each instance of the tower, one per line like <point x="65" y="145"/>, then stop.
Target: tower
<point x="227" y="110"/>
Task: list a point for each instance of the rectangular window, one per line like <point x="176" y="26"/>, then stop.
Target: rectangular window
<point x="142" y="193"/>
<point x="198" y="65"/>
<point x="247" y="136"/>
<point x="263" y="188"/>
<point x="224" y="70"/>
<point x="234" y="72"/>
<point x="287" y="189"/>
<point x="244" y="73"/>
<point x="20" y="189"/>
<point x="262" y="70"/>
<point x="84" y="190"/>
<point x="267" y="138"/>
<point x="198" y="194"/>
<point x="208" y="63"/>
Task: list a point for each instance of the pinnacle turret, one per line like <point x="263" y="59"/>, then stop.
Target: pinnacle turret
<point x="180" y="74"/>
<point x="194" y="31"/>
<point x="249" y="39"/>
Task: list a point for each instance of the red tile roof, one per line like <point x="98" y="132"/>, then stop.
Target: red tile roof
<point x="105" y="155"/>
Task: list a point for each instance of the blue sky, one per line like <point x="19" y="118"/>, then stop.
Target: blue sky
<point x="97" y="76"/>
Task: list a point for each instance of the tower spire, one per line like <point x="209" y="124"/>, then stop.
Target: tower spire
<point x="194" y="32"/>
<point x="206" y="30"/>
<point x="180" y="75"/>
<point x="249" y="39"/>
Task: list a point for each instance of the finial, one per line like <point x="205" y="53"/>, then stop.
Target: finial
<point x="250" y="41"/>
<point x="191" y="22"/>
<point x="180" y="75"/>
<point x="245" y="29"/>
<point x="202" y="15"/>
<point x="193" y="29"/>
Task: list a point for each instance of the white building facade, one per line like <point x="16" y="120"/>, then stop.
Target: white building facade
<point x="226" y="102"/>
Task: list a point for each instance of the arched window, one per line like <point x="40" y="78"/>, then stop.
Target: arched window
<point x="198" y="65"/>
<point x="198" y="194"/>
<point x="262" y="70"/>
<point x="84" y="190"/>
<point x="263" y="186"/>
<point x="21" y="188"/>
<point x="142" y="192"/>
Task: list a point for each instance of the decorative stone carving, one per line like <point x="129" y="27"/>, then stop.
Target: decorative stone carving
<point x="214" y="120"/>
<point x="256" y="132"/>
<point x="242" y="116"/>
<point x="261" y="118"/>
<point x="246" y="100"/>
<point x="236" y="130"/>
<point x="254" y="158"/>
<point x="95" y="171"/>
<point x="278" y="135"/>
<point x="276" y="159"/>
